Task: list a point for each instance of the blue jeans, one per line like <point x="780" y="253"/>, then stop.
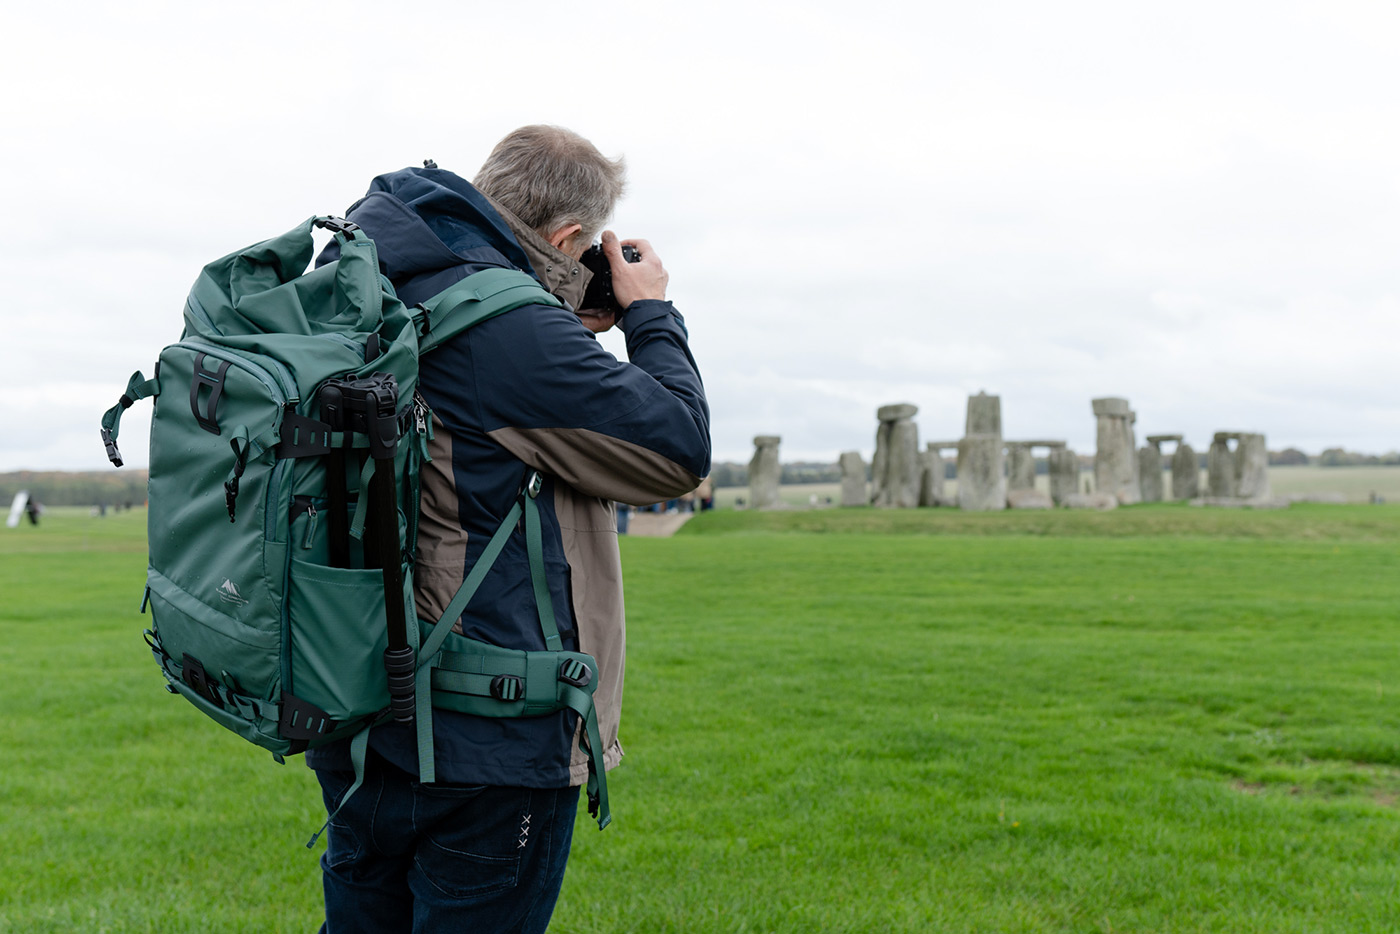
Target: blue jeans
<point x="403" y="856"/>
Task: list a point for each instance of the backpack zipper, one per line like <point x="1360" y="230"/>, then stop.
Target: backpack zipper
<point x="281" y="382"/>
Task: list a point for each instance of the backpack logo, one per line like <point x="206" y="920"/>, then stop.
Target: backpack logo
<point x="228" y="592"/>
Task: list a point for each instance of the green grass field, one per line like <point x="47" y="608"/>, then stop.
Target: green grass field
<point x="1155" y="719"/>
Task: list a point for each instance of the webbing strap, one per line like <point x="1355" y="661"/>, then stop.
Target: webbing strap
<point x="357" y="524"/>
<point x="359" y="745"/>
<point x="427" y="652"/>
<point x="476" y="298"/>
<point x="138" y="387"/>
<point x="464" y="682"/>
<point x="549" y="626"/>
<point x="468" y="589"/>
<point x="248" y="707"/>
<point x="597" y="775"/>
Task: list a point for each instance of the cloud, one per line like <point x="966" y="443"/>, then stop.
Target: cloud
<point x="857" y="206"/>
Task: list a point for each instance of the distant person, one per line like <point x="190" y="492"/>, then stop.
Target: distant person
<point x="705" y="493"/>
<point x="32" y="510"/>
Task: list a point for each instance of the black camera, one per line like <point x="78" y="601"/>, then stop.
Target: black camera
<point x="599" y="296"/>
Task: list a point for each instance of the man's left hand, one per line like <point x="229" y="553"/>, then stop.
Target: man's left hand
<point x="597" y="321"/>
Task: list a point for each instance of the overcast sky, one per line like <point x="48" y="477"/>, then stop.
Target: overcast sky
<point x="1192" y="205"/>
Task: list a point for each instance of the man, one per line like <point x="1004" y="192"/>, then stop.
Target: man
<point x="484" y="847"/>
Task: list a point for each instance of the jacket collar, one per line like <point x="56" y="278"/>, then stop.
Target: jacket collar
<point x="564" y="278"/>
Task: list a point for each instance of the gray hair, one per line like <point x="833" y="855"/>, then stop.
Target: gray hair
<point x="550" y="177"/>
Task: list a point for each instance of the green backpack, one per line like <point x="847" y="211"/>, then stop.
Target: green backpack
<point x="286" y="444"/>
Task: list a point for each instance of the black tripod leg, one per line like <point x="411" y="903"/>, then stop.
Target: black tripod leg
<point x="339" y="519"/>
<point x="398" y="656"/>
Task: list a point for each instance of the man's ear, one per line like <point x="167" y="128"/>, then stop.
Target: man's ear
<point x="563" y="238"/>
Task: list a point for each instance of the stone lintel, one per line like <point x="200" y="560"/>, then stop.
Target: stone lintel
<point x="767" y="441"/>
<point x="941" y="445"/>
<point x="1158" y="439"/>
<point x="897" y="411"/>
<point x="1229" y="435"/>
<point x="1040" y="444"/>
<point x="1114" y="406"/>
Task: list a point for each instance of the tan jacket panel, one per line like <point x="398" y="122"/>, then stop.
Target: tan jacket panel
<point x="598" y="464"/>
<point x="588" y="528"/>
<point x="442" y="542"/>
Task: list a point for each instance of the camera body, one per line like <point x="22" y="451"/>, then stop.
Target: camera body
<point x="599" y="296"/>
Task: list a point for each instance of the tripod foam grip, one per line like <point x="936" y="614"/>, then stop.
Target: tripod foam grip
<point x="399" y="664"/>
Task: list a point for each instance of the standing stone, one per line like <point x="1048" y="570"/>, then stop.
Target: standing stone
<point x="1150" y="479"/>
<point x="853" y="480"/>
<point x="1020" y="466"/>
<point x="879" y="464"/>
<point x="983" y="415"/>
<point x="765" y="473"/>
<point x="897" y="463"/>
<point x="931" y="479"/>
<point x="1115" y="460"/>
<point x="1252" y="467"/>
<point x="1064" y="474"/>
<point x="1186" y="473"/>
<point x="982" y="457"/>
<point x="1220" y="468"/>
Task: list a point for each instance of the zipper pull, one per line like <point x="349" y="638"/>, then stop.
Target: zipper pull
<point x="420" y="414"/>
<point x="423" y="422"/>
<point x="310" y="525"/>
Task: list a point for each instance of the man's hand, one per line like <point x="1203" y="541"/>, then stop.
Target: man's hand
<point x="597" y="321"/>
<point x="633" y="282"/>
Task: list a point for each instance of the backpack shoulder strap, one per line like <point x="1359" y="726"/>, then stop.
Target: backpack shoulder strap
<point x="480" y="296"/>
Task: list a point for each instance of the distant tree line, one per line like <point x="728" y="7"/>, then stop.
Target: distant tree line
<point x="56" y="488"/>
<point x="1339" y="457"/>
<point x="728" y="473"/>
<point x="732" y="474"/>
<point x="1332" y="457"/>
<point x="119" y="487"/>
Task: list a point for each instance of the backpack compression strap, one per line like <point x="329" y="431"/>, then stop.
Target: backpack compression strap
<point x="480" y="296"/>
<point x="490" y="681"/>
<point x="138" y="387"/>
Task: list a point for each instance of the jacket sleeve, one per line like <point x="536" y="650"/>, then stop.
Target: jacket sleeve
<point x="637" y="432"/>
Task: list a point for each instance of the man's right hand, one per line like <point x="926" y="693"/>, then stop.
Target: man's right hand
<point x="634" y="282"/>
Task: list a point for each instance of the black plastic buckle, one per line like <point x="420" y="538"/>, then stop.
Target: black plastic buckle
<point x="337" y="225"/>
<point x="240" y="463"/>
<point x="231" y="496"/>
<point x="300" y="720"/>
<point x="192" y="671"/>
<point x="300" y="436"/>
<point x="506" y="687"/>
<point x="113" y="454"/>
<point x="572" y="671"/>
<point x="206" y="410"/>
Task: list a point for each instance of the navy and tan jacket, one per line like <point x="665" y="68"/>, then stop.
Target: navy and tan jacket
<point x="531" y="389"/>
